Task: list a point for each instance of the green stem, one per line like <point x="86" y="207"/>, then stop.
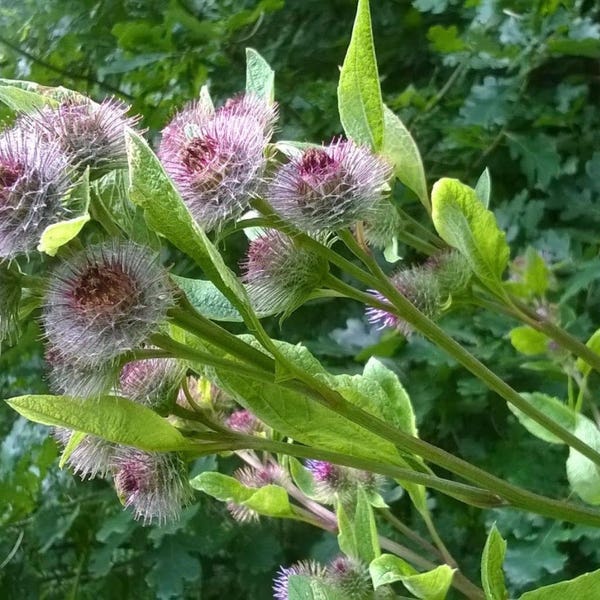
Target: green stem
<point x="387" y="514"/>
<point x="437" y="540"/>
<point x="406" y="310"/>
<point x="425" y="234"/>
<point x="416" y="242"/>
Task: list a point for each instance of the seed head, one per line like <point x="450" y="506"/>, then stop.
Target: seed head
<point x="35" y="180"/>
<point x="329" y="187"/>
<point x="154" y="486"/>
<point x="92" y="135"/>
<point x="279" y="274"/>
<point x="91" y="458"/>
<point x="105" y="300"/>
<point x="217" y="160"/>
<point x="309" y="568"/>
<point x="153" y="382"/>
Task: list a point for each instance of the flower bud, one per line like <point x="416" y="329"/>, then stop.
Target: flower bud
<point x="35" y="180"/>
<point x="92" y="457"/>
<point x="350" y="577"/>
<point x="280" y="275"/>
<point x="451" y="270"/>
<point x="329" y="187"/>
<point x="383" y="225"/>
<point x="105" y="300"/>
<point x="216" y="159"/>
<point x="309" y="568"/>
<point x="153" y="382"/>
<point x="244" y="421"/>
<point x="92" y="135"/>
<point x="153" y="485"/>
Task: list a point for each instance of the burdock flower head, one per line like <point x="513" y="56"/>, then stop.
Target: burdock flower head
<point x="351" y="577"/>
<point x="308" y="568"/>
<point x="107" y="299"/>
<point x="383" y="225"/>
<point x="92" y="456"/>
<point x="334" y="482"/>
<point x="153" y="485"/>
<point x="244" y="421"/>
<point x="153" y="382"/>
<point x="35" y="180"/>
<point x="216" y="159"/>
<point x="279" y="274"/>
<point x="329" y="187"/>
<point x="92" y="135"/>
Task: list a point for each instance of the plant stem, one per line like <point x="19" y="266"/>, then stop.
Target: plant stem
<point x="387" y="514"/>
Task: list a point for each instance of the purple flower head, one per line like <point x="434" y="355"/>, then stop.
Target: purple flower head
<point x="35" y="180"/>
<point x="421" y="287"/>
<point x="78" y="379"/>
<point x="92" y="135"/>
<point x="329" y="187"/>
<point x="91" y="458"/>
<point x="244" y="421"/>
<point x="107" y="299"/>
<point x="154" y="486"/>
<point x="216" y="159"/>
<point x="153" y="382"/>
<point x="280" y="275"/>
<point x="308" y="568"/>
<point x="351" y="577"/>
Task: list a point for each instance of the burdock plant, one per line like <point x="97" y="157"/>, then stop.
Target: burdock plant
<point x="147" y="374"/>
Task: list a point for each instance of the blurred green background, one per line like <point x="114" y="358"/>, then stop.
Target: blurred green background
<point x="511" y="85"/>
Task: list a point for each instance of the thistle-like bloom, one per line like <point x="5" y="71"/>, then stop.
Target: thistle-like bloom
<point x="35" y="180"/>
<point x="280" y="275"/>
<point x="309" y="568"/>
<point x="254" y="478"/>
<point x="105" y="300"/>
<point x="329" y="187"/>
<point x="91" y="458"/>
<point x="350" y="577"/>
<point x="92" y="135"/>
<point x="154" y="486"/>
<point x="244" y="421"/>
<point x="216" y="159"/>
<point x="153" y="382"/>
<point x="428" y="287"/>
<point x="383" y="224"/>
<point x="334" y="482"/>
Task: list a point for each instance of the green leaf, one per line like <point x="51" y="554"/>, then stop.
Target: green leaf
<point x="551" y="407"/>
<point x="583" y="474"/>
<point x="302" y="477"/>
<point x="484" y="187"/>
<point x="115" y="419"/>
<point x="540" y="159"/>
<point x="359" y="95"/>
<point x="270" y="500"/>
<point x="528" y="341"/>
<point x="22" y="100"/>
<point x="58" y="234"/>
<point x="358" y="536"/>
<point x="166" y="214"/>
<point x="303" y="587"/>
<point x="465" y="224"/>
<point x="593" y="344"/>
<point x="431" y="585"/>
<point x="492" y="575"/>
<point x="445" y="39"/>
<point x="584" y="587"/>
<point x="260" y="78"/>
<point x="400" y="149"/>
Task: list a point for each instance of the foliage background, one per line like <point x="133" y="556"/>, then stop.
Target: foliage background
<point x="512" y="85"/>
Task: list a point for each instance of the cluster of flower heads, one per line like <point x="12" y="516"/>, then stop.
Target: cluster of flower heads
<point x="428" y="287"/>
<point x="347" y="577"/>
<point x="279" y="275"/>
<point x="216" y="158"/>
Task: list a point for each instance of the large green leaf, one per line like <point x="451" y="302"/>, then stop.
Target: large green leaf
<point x="260" y="78"/>
<point x="583" y="474"/>
<point x="22" y="100"/>
<point x="303" y="587"/>
<point x="584" y="587"/>
<point x="359" y="94"/>
<point x="492" y="575"/>
<point x="465" y="224"/>
<point x="431" y="585"/>
<point x="551" y="407"/>
<point x="166" y="214"/>
<point x="400" y="149"/>
<point x="269" y="500"/>
<point x="115" y="419"/>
